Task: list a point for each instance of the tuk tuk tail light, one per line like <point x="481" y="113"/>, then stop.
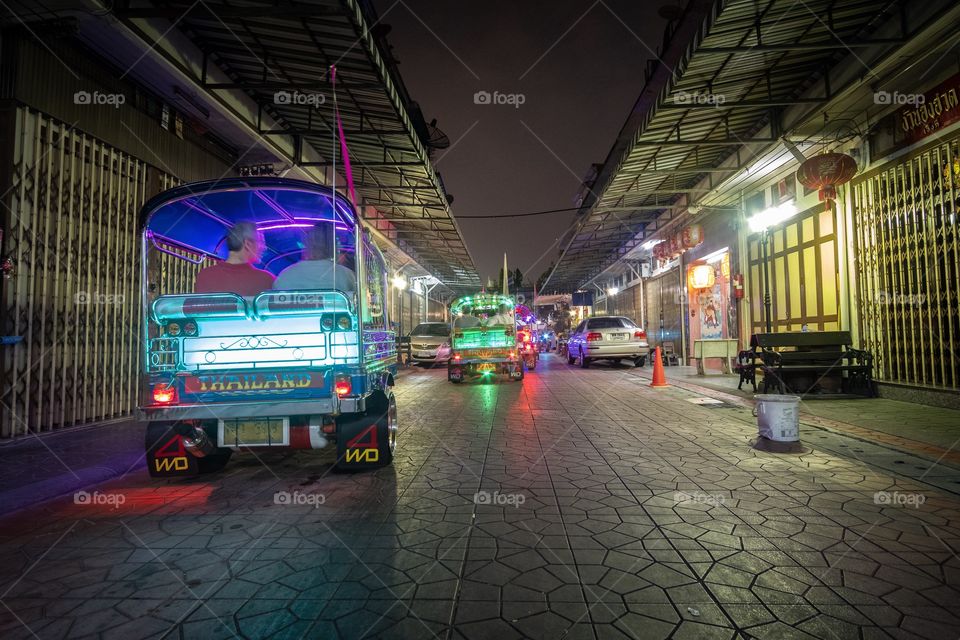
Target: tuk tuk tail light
<point x="164" y="394"/>
<point x="173" y="329"/>
<point x="342" y="386"/>
<point x="593" y="336"/>
<point x="456" y="357"/>
<point x="343" y="322"/>
<point x="327" y="323"/>
<point x="190" y="328"/>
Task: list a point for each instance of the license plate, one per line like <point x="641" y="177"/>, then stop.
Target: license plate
<point x="261" y="432"/>
<point x="424" y="354"/>
<point x="619" y="336"/>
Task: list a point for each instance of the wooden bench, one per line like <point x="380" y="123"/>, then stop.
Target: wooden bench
<point x="721" y="348"/>
<point x="809" y="362"/>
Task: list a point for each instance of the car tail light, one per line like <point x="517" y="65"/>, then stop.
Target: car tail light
<point x="640" y="335"/>
<point x="164" y="394"/>
<point x="343" y="386"/>
<point x="456" y="357"/>
<point x="593" y="336"/>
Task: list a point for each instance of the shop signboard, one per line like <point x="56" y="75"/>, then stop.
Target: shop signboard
<point x="926" y="113"/>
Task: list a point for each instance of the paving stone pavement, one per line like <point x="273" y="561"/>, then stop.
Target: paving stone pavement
<point x="578" y="504"/>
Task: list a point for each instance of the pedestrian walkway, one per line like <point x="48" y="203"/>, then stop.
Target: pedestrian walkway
<point x="932" y="432"/>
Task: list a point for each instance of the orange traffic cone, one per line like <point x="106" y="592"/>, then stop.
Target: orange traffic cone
<point x="659" y="378"/>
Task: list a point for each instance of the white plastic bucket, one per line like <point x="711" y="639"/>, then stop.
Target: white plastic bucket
<point x="778" y="417"/>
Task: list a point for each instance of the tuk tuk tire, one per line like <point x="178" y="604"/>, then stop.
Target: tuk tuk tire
<point x="377" y="427"/>
<point x="584" y="361"/>
<point x="215" y="462"/>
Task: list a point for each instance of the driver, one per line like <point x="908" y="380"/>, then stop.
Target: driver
<point x="318" y="270"/>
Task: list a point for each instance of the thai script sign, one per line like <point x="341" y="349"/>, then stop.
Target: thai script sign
<point x="931" y="112"/>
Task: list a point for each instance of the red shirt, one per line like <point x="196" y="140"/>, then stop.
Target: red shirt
<point x="242" y="279"/>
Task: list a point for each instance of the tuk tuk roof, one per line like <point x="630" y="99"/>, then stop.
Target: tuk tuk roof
<point x="197" y="216"/>
<point x="481" y="300"/>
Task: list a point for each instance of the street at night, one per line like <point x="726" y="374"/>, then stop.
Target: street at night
<point x="479" y="320"/>
<point x="577" y="504"/>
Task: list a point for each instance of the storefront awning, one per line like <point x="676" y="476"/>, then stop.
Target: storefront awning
<point x="280" y="55"/>
<point x="725" y="72"/>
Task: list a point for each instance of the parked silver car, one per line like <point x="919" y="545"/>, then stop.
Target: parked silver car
<point x="608" y="338"/>
<point x="430" y="343"/>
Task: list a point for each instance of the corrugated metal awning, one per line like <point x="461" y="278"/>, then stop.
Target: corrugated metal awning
<point x="725" y="72"/>
<point x="280" y="54"/>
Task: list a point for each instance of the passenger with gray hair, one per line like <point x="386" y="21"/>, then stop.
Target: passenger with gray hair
<point x="318" y="269"/>
<point x="237" y="274"/>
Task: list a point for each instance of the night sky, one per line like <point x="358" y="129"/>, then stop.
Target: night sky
<point x="579" y="66"/>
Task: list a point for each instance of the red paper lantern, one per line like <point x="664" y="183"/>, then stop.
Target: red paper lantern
<point x="825" y="172"/>
<point x="675" y="245"/>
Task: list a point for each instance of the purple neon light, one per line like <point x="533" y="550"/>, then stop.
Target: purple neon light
<point x="301" y="225"/>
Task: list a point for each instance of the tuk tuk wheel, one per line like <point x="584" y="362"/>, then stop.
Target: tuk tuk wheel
<point x="368" y="440"/>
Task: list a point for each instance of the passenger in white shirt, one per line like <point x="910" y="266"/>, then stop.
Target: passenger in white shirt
<point x="318" y="270"/>
<point x="502" y="318"/>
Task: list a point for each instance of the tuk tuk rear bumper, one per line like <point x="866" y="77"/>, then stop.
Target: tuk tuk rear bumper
<point x="325" y="406"/>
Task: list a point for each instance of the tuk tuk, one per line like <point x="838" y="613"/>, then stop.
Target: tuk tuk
<point x="483" y="338"/>
<point x="284" y="370"/>
<point x="527" y="338"/>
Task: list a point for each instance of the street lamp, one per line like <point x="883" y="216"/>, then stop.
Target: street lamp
<point x="612" y="291"/>
<point x="761" y="223"/>
<point x="399" y="282"/>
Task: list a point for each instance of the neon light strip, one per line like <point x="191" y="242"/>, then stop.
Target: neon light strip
<point x="301" y="225"/>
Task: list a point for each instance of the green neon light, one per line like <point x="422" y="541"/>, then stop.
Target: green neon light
<point x="493" y="338"/>
<point x="481" y="300"/>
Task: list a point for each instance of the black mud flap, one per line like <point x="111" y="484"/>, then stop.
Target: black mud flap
<point x="367" y="440"/>
<point x="167" y="457"/>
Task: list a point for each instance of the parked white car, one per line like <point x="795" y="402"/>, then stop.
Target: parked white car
<point x="608" y="338"/>
<point x="430" y="343"/>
